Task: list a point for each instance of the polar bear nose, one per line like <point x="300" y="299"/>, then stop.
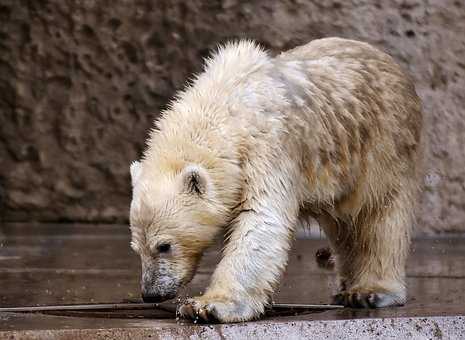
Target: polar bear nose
<point x="153" y="298"/>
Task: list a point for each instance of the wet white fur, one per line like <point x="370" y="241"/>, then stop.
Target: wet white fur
<point x="244" y="124"/>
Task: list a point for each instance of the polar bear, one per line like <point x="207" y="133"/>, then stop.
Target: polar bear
<point x="256" y="143"/>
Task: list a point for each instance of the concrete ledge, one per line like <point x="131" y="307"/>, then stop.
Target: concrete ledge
<point x="451" y="327"/>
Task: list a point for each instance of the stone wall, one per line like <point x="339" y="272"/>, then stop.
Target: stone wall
<point x="81" y="82"/>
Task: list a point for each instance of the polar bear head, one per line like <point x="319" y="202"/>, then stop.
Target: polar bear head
<point x="174" y="217"/>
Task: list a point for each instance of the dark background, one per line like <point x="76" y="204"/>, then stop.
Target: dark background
<point x="82" y="81"/>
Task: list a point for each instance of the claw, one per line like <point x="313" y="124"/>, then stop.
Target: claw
<point x="372" y="300"/>
<point x="338" y="299"/>
<point x="187" y="310"/>
<point x="204" y="315"/>
<point x="367" y="299"/>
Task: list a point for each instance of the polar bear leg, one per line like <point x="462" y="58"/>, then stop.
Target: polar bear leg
<point x="256" y="252"/>
<point x="371" y="255"/>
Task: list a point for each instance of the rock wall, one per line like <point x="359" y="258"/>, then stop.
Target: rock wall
<point x="81" y="82"/>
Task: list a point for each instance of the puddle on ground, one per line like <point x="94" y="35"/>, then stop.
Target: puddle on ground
<point x="81" y="264"/>
<point x="163" y="314"/>
<point x="120" y="314"/>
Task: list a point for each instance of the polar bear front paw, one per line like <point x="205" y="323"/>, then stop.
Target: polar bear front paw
<point x="200" y="309"/>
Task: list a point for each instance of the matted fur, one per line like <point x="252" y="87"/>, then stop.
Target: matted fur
<point x="330" y="129"/>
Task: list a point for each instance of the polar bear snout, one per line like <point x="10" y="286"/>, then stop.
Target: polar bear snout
<point x="158" y="290"/>
<point x="157" y="282"/>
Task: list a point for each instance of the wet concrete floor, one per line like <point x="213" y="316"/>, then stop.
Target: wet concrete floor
<point x="44" y="264"/>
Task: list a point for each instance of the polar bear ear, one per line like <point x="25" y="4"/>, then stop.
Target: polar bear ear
<point x="135" y="170"/>
<point x="195" y="180"/>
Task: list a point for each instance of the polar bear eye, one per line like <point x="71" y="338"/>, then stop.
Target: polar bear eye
<point x="164" y="248"/>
